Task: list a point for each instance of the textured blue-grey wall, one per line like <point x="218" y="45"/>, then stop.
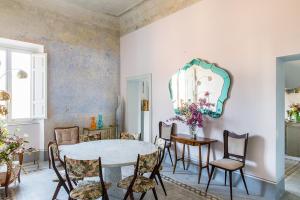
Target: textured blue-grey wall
<point x="83" y="62"/>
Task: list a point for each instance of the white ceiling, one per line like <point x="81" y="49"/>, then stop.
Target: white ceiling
<point x="110" y="7"/>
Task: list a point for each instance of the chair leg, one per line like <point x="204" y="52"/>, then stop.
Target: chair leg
<point x="210" y="176"/>
<point x="183" y="151"/>
<point x="155" y="180"/>
<point x="154" y="193"/>
<point x="19" y="177"/>
<point x="142" y="196"/>
<point x="225" y="176"/>
<point x="49" y="163"/>
<point x="161" y="183"/>
<point x="127" y="194"/>
<point x="6" y="190"/>
<point x="170" y="156"/>
<point x="131" y="196"/>
<point x="230" y="183"/>
<point x="65" y="187"/>
<point x="242" y="174"/>
<point x="57" y="190"/>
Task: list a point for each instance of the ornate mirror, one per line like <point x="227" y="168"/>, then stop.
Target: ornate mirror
<point x="200" y="80"/>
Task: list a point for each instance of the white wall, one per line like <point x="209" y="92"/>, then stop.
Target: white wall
<point x="244" y="37"/>
<point x="33" y="130"/>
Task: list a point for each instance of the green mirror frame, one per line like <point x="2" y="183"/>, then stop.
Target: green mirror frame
<point x="224" y="92"/>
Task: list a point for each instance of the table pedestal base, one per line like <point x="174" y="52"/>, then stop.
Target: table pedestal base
<point x="113" y="175"/>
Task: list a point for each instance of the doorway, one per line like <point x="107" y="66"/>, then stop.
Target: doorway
<point x="138" y="106"/>
<point x="288" y="121"/>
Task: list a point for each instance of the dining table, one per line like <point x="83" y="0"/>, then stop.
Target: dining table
<point x="114" y="154"/>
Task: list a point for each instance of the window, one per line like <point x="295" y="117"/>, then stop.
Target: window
<point x="28" y="95"/>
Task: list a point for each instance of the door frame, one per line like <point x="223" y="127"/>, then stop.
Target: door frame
<point x="280" y="113"/>
<point x="144" y="77"/>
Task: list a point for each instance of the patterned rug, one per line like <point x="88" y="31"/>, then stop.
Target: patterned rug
<point x="291" y="166"/>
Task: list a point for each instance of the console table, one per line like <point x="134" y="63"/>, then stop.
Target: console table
<point x="104" y="133"/>
<point x="188" y="140"/>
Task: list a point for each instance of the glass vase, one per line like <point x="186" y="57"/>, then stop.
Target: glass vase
<point x="100" y="122"/>
<point x="193" y="131"/>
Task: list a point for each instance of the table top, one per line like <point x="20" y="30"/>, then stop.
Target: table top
<point x="113" y="153"/>
<point x="187" y="139"/>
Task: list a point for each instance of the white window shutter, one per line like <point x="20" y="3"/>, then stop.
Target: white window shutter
<point x="39" y="86"/>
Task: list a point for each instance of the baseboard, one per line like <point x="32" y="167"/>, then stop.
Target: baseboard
<point x="256" y="186"/>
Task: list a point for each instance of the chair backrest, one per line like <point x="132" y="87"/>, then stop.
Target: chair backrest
<point x="130" y="136"/>
<point x="83" y="168"/>
<point x="53" y="151"/>
<point x="165" y="130"/>
<point x="147" y="163"/>
<point x="235" y="145"/>
<point x="66" y="135"/>
<point x="161" y="145"/>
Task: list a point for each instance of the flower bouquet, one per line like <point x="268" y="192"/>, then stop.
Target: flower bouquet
<point x="9" y="145"/>
<point x="192" y="114"/>
<point x="294" y="111"/>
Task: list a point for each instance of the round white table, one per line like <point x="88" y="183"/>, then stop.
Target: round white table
<point x="114" y="154"/>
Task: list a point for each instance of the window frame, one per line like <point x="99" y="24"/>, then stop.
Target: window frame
<point x="19" y="47"/>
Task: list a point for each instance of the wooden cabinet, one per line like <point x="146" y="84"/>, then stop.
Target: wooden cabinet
<point x="105" y="133"/>
<point x="293" y="139"/>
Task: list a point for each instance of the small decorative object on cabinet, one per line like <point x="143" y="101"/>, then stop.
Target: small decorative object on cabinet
<point x="104" y="133"/>
<point x="145" y="105"/>
<point x="100" y="121"/>
<point x="93" y="123"/>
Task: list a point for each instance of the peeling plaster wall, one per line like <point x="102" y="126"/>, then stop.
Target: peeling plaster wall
<point x="83" y="62"/>
<point x="150" y="11"/>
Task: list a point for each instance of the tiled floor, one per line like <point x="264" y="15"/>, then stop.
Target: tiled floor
<point x="38" y="186"/>
<point x="292" y="180"/>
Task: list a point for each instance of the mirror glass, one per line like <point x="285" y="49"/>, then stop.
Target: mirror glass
<point x="200" y="80"/>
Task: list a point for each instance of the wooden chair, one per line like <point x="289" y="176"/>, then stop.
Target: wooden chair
<point x="165" y="132"/>
<point x="139" y="183"/>
<point x="235" y="149"/>
<point x="60" y="175"/>
<point x="86" y="189"/>
<point x="161" y="145"/>
<point x="130" y="136"/>
<point x="66" y="135"/>
<point x="9" y="173"/>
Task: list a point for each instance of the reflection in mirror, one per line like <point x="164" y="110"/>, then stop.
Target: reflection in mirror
<point x="200" y="80"/>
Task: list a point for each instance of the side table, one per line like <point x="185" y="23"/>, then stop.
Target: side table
<point x="34" y="153"/>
